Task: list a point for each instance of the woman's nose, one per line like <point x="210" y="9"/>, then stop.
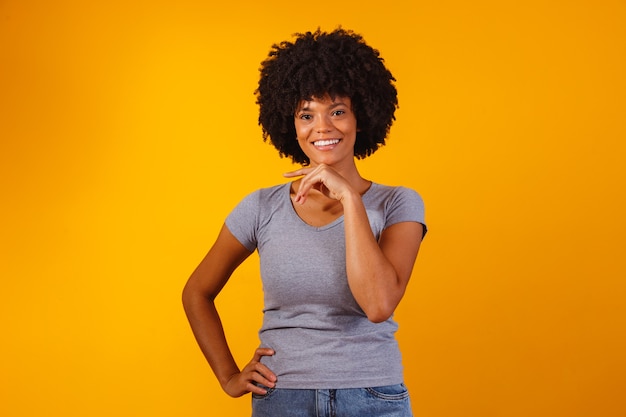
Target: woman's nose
<point x="323" y="125"/>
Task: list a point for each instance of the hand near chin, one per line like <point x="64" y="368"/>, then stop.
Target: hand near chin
<point x="253" y="373"/>
<point x="321" y="178"/>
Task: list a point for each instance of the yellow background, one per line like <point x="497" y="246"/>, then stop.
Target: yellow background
<point x="128" y="132"/>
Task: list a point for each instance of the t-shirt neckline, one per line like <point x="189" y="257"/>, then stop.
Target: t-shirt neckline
<point x="327" y="226"/>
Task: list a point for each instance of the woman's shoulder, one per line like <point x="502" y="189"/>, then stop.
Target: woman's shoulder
<point x="265" y="196"/>
<point x="384" y="191"/>
<point x="260" y="203"/>
<point x="270" y="192"/>
<point x="399" y="203"/>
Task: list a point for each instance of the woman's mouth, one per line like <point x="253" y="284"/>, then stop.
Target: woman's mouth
<point x="325" y="142"/>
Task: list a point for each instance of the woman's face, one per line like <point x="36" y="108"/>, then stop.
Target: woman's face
<point x="326" y="129"/>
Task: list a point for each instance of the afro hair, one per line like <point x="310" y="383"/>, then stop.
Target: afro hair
<point x="316" y="64"/>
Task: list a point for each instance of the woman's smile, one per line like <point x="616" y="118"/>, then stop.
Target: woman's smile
<point x="326" y="143"/>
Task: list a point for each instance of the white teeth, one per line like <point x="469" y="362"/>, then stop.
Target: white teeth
<point x="326" y="142"/>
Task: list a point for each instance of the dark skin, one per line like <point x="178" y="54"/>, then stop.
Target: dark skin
<point x="330" y="186"/>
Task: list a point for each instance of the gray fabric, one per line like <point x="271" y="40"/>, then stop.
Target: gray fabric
<point x="321" y="336"/>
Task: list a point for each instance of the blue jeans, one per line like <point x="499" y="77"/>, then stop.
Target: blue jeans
<point x="387" y="401"/>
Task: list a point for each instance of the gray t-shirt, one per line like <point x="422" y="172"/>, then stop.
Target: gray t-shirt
<point x="322" y="338"/>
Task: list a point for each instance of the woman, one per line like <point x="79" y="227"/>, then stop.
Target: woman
<point x="336" y="249"/>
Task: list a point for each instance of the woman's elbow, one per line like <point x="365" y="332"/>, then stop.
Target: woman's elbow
<point x="382" y="308"/>
<point x="190" y="295"/>
<point x="378" y="318"/>
<point x="186" y="295"/>
<point x="379" y="313"/>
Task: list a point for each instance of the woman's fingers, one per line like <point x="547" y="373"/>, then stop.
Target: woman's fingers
<point x="297" y="172"/>
<point x="304" y="187"/>
<point x="252" y="374"/>
<point x="322" y="178"/>
<point x="260" y="373"/>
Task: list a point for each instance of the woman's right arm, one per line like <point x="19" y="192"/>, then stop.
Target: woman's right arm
<point x="199" y="295"/>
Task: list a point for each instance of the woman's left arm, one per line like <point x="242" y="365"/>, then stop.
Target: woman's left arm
<point x="378" y="271"/>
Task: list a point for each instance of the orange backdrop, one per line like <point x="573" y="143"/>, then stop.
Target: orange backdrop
<point x="128" y="131"/>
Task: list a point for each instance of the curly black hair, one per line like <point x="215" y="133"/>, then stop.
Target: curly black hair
<point x="337" y="63"/>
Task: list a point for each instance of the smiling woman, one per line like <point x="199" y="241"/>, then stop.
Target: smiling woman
<point x="336" y="249"/>
<point x="128" y="133"/>
<point x="326" y="130"/>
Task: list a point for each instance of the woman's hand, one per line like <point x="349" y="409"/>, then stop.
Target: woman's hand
<point x="244" y="381"/>
<point x="323" y="179"/>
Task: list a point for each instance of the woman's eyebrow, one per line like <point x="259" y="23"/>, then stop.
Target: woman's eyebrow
<point x="331" y="106"/>
<point x="336" y="104"/>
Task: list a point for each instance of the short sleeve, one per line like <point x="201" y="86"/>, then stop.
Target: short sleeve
<point x="242" y="221"/>
<point x="406" y="205"/>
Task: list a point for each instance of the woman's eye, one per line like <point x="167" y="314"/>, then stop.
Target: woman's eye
<point x="339" y="112"/>
<point x="305" y="117"/>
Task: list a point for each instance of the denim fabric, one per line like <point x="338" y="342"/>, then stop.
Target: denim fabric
<point x="387" y="401"/>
